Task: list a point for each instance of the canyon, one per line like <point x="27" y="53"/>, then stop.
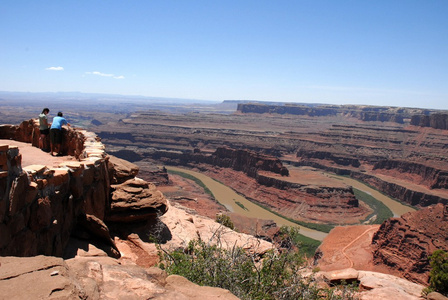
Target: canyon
<point x="278" y="160"/>
<point x="404" y="161"/>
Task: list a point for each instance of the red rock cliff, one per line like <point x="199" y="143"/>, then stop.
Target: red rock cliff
<point x="41" y="205"/>
<point x="405" y="243"/>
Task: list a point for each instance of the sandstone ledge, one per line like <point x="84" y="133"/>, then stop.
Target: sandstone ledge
<point x="42" y="202"/>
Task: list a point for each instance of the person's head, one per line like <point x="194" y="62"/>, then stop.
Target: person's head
<point x="45" y="111"/>
<point x="60" y="114"/>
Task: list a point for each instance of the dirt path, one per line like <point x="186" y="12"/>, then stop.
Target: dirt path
<point x="352" y="242"/>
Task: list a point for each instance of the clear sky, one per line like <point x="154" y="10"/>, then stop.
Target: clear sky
<point x="376" y="52"/>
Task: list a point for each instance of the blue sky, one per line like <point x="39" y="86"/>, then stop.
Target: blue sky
<point x="339" y="52"/>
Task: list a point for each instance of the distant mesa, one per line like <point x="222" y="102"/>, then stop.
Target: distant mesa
<point x="96" y="122"/>
<point x="414" y="116"/>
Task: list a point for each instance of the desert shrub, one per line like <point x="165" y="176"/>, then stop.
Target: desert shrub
<point x="276" y="275"/>
<point x="438" y="278"/>
<point x="292" y="236"/>
<point x="225" y="220"/>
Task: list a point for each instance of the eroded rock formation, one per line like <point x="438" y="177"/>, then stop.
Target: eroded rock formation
<point x="364" y="113"/>
<point x="41" y="206"/>
<point x="250" y="173"/>
<point x="135" y="200"/>
<point x="332" y="138"/>
<point x="436" y="120"/>
<point x="406" y="243"/>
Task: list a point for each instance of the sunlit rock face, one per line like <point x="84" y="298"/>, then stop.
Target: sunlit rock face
<point x="406" y="243"/>
<point x="42" y="204"/>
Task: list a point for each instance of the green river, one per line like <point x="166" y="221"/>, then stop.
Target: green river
<point x="229" y="198"/>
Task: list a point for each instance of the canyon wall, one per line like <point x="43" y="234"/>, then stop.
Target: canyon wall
<point x="40" y="205"/>
<point x="249" y="162"/>
<point x="303" y="202"/>
<point x="405" y="244"/>
<point x="436" y="120"/>
<point x="397" y="191"/>
<point x="406" y="162"/>
<point x="364" y="113"/>
<point x="431" y="177"/>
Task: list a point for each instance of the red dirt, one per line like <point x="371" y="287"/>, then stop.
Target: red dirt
<point x="350" y="247"/>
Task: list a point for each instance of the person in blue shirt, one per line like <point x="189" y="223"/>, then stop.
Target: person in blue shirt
<point x="56" y="133"/>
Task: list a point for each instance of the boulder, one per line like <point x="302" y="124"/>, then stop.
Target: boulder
<point x="122" y="170"/>
<point x="94" y="229"/>
<point x="374" y="285"/>
<point x="135" y="200"/>
<point x="344" y="275"/>
<point x="38" y="277"/>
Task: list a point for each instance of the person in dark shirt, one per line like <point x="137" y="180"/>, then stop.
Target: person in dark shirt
<point x="56" y="133"/>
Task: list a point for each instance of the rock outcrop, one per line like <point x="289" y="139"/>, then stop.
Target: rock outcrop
<point x="405" y="244"/>
<point x="135" y="200"/>
<point x="94" y="278"/>
<point x="41" y="206"/>
<point x="436" y="120"/>
<point x="374" y="285"/>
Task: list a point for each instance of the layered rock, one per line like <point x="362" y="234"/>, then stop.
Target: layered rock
<point x="252" y="174"/>
<point x="364" y="113"/>
<point x="303" y="202"/>
<point x="339" y="142"/>
<point x="405" y="244"/>
<point x="41" y="206"/>
<point x="135" y="200"/>
<point x="431" y="177"/>
<point x="249" y="162"/>
<point x="400" y="192"/>
<point x="436" y="120"/>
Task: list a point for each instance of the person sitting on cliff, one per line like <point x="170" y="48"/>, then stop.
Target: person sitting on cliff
<point x="56" y="133"/>
<point x="44" y="129"/>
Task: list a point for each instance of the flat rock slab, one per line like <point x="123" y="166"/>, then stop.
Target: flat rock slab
<point x="39" y="277"/>
<point x="34" y="156"/>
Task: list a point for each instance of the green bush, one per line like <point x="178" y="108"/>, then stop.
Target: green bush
<point x="438" y="278"/>
<point x="276" y="275"/>
<point x="225" y="220"/>
<point x="291" y="235"/>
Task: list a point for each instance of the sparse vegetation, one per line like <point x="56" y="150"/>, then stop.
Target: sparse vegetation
<point x="225" y="220"/>
<point x="306" y="245"/>
<point x="438" y="278"/>
<point x="276" y="275"/>
<point x="240" y="205"/>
